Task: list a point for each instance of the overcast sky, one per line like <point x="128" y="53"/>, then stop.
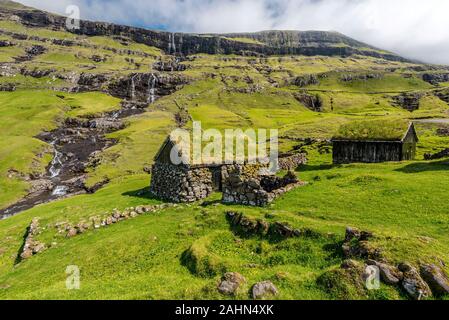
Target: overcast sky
<point x="413" y="28"/>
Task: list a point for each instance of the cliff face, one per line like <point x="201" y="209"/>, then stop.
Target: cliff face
<point x="308" y="43"/>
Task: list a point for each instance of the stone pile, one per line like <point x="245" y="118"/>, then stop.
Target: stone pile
<point x="32" y="246"/>
<point x="255" y="190"/>
<point x="97" y="222"/>
<point x="260" y="227"/>
<point x="418" y="283"/>
<point x="292" y="162"/>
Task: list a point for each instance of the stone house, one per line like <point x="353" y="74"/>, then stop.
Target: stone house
<point x="374" y="142"/>
<point x="240" y="183"/>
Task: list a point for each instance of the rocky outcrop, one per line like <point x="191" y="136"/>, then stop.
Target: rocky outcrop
<point x="312" y="102"/>
<point x="169" y="66"/>
<point x="306" y="80"/>
<point x="357" y="245"/>
<point x="146" y="87"/>
<point x="308" y="43"/>
<point x="435" y="78"/>
<point x="264" y="289"/>
<point x="9" y="87"/>
<point x="408" y="101"/>
<point x="443" y="95"/>
<point x="436" y="156"/>
<point x="443" y="132"/>
<point x="360" y="77"/>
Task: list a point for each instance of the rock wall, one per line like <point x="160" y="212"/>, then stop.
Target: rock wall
<point x="255" y="190"/>
<point x="292" y="162"/>
<point x="308" y="43"/>
<point x="181" y="183"/>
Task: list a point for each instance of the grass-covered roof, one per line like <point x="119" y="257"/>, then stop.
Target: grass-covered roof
<point x="374" y="130"/>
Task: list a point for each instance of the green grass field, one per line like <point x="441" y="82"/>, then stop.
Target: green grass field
<point x="182" y="252"/>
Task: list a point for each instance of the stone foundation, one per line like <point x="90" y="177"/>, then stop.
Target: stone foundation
<point x="255" y="190"/>
<point x="181" y="183"/>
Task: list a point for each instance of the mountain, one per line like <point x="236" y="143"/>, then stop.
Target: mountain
<point x="262" y="43"/>
<point x="82" y="116"/>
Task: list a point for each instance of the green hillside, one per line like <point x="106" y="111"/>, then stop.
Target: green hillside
<point x="182" y="251"/>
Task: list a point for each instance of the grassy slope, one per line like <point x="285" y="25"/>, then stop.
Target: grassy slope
<point x="143" y="258"/>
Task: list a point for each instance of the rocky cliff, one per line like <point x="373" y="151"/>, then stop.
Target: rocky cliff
<point x="308" y="43"/>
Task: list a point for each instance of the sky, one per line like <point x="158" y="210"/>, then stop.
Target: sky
<point x="415" y="29"/>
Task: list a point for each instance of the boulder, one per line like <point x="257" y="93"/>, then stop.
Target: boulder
<point x="413" y="284"/>
<point x="230" y="283"/>
<point x="436" y="278"/>
<point x="263" y="289"/>
<point x="390" y="275"/>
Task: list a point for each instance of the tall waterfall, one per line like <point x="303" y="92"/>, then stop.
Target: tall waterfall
<point x="171" y="43"/>
<point x="152" y="88"/>
<point x="133" y="87"/>
<point x="56" y="163"/>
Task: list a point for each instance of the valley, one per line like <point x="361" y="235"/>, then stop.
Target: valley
<point x="83" y="114"/>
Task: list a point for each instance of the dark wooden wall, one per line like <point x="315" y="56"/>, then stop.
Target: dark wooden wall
<point x="367" y="152"/>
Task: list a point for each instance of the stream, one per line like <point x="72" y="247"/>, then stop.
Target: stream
<point x="74" y="144"/>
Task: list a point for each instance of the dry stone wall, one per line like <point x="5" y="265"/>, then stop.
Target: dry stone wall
<point x="181" y="183"/>
<point x="292" y="162"/>
<point x="255" y="190"/>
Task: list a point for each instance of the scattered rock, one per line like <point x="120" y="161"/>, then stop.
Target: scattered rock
<point x="31" y="246"/>
<point x="436" y="278"/>
<point x="263" y="289"/>
<point x="230" y="283"/>
<point x="390" y="275"/>
<point x="413" y="284"/>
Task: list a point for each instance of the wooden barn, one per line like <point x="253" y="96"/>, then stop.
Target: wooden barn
<point x="374" y="142"/>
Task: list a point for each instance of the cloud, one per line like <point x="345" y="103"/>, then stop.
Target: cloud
<point x="413" y="28"/>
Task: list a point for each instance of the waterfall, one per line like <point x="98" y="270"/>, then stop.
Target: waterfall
<point x="173" y="42"/>
<point x="60" y="191"/>
<point x="56" y="163"/>
<point x="133" y="88"/>
<point x="151" y="88"/>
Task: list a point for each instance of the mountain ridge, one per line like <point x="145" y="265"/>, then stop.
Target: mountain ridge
<point x="269" y="42"/>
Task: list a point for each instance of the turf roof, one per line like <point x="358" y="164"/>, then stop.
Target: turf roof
<point x="375" y="130"/>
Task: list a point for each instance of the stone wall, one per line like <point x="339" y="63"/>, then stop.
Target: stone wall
<point x="255" y="190"/>
<point x="181" y="183"/>
<point x="292" y="162"/>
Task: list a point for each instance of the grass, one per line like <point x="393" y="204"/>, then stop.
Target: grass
<point x="25" y="114"/>
<point x="379" y="130"/>
<point x="145" y="258"/>
<point x="181" y="252"/>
